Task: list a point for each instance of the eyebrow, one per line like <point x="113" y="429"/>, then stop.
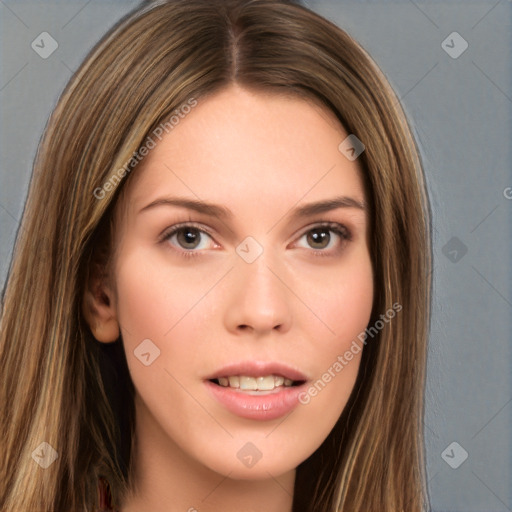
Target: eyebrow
<point x="221" y="212"/>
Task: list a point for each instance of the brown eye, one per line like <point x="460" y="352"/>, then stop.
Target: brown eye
<point x="187" y="237"/>
<point x="322" y="238"/>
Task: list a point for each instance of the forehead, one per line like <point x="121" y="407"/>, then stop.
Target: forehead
<point x="244" y="147"/>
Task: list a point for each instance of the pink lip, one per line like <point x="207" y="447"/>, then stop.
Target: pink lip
<point x="257" y="407"/>
<point x="264" y="407"/>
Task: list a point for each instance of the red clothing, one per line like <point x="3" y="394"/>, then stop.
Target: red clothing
<point x="105" y="497"/>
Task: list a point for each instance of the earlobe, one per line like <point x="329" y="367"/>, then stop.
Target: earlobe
<point x="99" y="311"/>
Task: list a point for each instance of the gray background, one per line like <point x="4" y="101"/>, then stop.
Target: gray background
<point x="461" y="114"/>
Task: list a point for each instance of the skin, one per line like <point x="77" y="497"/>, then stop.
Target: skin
<point x="260" y="155"/>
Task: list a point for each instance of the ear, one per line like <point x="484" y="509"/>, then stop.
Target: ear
<point x="99" y="307"/>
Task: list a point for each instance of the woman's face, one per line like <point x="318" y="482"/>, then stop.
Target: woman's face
<point x="248" y="292"/>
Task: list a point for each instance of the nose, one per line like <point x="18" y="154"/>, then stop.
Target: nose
<point x="259" y="300"/>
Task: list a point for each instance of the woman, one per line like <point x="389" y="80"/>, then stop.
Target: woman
<point x="262" y="368"/>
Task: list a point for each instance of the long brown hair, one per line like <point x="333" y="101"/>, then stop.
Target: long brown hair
<point x="61" y="387"/>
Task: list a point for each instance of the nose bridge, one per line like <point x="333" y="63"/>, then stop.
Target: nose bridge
<point x="259" y="299"/>
<point x="260" y="281"/>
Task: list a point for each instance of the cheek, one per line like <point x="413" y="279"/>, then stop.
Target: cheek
<point x="155" y="297"/>
<point x="161" y="303"/>
<point x="171" y="306"/>
<point x="157" y="303"/>
<point x="343" y="302"/>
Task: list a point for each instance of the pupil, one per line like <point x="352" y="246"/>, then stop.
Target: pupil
<point x="189" y="236"/>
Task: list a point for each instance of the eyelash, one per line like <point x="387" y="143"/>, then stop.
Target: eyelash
<point x="339" y="229"/>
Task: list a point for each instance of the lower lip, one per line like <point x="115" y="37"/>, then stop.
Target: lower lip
<point x="265" y="407"/>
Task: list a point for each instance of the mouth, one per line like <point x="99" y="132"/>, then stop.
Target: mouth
<point x="257" y="390"/>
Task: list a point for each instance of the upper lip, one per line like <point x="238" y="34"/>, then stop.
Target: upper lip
<point x="258" y="369"/>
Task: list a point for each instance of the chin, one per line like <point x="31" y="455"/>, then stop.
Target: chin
<point x="258" y="460"/>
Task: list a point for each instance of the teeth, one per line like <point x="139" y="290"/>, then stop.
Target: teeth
<point x="266" y="383"/>
<point x="246" y="383"/>
<point x="234" y="382"/>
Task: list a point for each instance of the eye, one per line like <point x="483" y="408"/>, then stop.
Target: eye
<point x="320" y="238"/>
<point x="188" y="237"/>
